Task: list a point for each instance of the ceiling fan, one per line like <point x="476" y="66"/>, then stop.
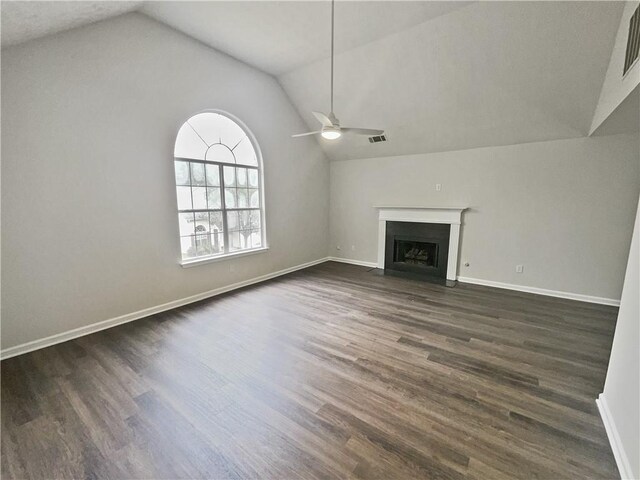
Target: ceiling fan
<point x="331" y="129"/>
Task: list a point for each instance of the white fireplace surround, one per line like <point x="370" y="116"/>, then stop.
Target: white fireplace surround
<point x="448" y="215"/>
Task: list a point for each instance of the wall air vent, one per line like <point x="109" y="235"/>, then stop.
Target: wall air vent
<point x="377" y="138"/>
<point x="633" y="41"/>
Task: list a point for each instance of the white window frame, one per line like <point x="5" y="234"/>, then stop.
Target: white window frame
<point x="191" y="262"/>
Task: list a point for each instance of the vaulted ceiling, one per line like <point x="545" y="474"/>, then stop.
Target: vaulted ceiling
<point x="22" y="21"/>
<point x="491" y="73"/>
<point x="280" y="36"/>
<point x="436" y="76"/>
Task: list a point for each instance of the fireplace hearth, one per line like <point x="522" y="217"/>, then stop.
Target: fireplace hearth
<point x="417" y="250"/>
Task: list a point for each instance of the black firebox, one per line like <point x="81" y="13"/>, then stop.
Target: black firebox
<point x="417" y="250"/>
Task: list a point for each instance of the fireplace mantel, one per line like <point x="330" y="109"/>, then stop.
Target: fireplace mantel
<point x="414" y="207"/>
<point x="420" y="214"/>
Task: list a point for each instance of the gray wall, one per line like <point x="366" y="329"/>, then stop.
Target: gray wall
<point x="621" y="395"/>
<point x="89" y="223"/>
<point x="564" y="209"/>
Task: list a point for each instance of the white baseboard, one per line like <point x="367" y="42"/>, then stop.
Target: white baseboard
<point x="614" y="439"/>
<point x="542" y="291"/>
<point x="112" y="322"/>
<point x="508" y="286"/>
<point x="353" y="262"/>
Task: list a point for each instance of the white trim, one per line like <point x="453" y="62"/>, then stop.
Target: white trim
<point x="194" y="262"/>
<point x="418" y="207"/>
<point x="622" y="461"/>
<point x="129" y="317"/>
<point x="447" y="215"/>
<point x="450" y="215"/>
<point x="507" y="286"/>
<point x="542" y="291"/>
<point x="353" y="262"/>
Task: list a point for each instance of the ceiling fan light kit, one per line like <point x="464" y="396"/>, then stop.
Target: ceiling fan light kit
<point x="331" y="129"/>
<point x="331" y="133"/>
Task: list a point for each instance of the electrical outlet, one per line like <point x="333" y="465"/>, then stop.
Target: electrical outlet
<point x="337" y="247"/>
<point x="438" y="187"/>
<point x="232" y="267"/>
<point x="519" y="268"/>
<point x="353" y="248"/>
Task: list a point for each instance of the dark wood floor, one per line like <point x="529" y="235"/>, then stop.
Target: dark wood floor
<point x="331" y="372"/>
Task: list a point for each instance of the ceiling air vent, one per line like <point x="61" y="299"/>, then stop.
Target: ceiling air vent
<point x="377" y="138"/>
<point x="633" y="41"/>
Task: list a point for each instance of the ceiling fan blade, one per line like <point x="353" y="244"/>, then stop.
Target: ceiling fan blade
<point x="362" y="131"/>
<point x="323" y="119"/>
<point x="305" y="134"/>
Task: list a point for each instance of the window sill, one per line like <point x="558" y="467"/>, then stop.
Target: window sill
<point x="218" y="258"/>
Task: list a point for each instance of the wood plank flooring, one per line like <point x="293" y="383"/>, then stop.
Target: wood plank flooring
<point x="331" y="372"/>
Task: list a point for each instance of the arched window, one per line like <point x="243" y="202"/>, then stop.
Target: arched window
<point x="219" y="187"/>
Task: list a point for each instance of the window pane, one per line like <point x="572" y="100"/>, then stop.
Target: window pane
<point x="234" y="241"/>
<point x="182" y="173"/>
<point x="184" y="198"/>
<point x="243" y="201"/>
<point x="215" y="221"/>
<point x="229" y="175"/>
<point x="254" y="198"/>
<point x="217" y="242"/>
<point x="186" y="224"/>
<point x="202" y="222"/>
<point x="220" y="153"/>
<point x="241" y="177"/>
<point x="215" y="128"/>
<point x="186" y="245"/>
<point x="245" y="238"/>
<point x="252" y="219"/>
<point x="197" y="174"/>
<point x="199" y="198"/>
<point x="232" y="221"/>
<point x="244" y="220"/>
<point x="244" y="152"/>
<point x="253" y="177"/>
<point x="230" y="197"/>
<point x="213" y="175"/>
<point x="256" y="238"/>
<point x="203" y="245"/>
<point x="188" y="144"/>
<point x="213" y="198"/>
<point x="217" y="236"/>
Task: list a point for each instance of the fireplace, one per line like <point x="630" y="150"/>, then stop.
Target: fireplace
<point x="409" y="251"/>
<point x="417" y="250"/>
<point x="436" y="228"/>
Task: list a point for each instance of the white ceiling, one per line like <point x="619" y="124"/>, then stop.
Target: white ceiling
<point x="436" y="76"/>
<point x="492" y="73"/>
<point x="280" y="36"/>
<point x="22" y="21"/>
